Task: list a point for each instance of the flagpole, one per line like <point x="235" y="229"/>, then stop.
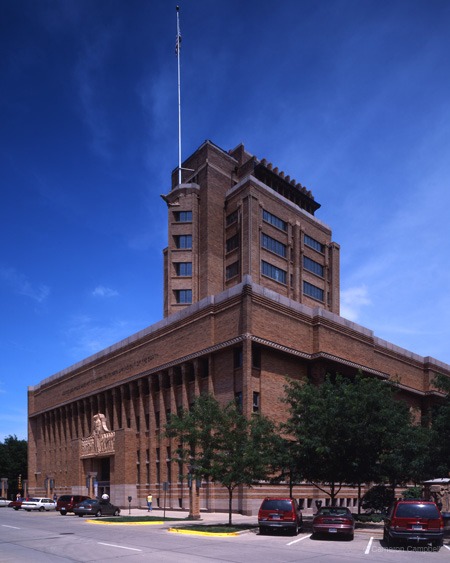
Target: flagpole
<point x="179" y="93"/>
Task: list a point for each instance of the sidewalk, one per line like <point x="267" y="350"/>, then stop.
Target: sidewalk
<point x="375" y="529"/>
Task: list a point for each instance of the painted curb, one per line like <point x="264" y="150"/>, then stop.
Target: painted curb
<point x="124" y="523"/>
<point x="198" y="533"/>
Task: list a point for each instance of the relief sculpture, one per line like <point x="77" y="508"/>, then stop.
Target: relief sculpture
<point x="101" y="441"/>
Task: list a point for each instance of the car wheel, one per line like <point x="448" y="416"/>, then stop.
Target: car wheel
<point x="63" y="512"/>
<point x="80" y="515"/>
<point x="41" y="509"/>
<point x="116" y="512"/>
<point x="16" y="508"/>
<point x="295" y="530"/>
<point x="262" y="531"/>
<point x="98" y="513"/>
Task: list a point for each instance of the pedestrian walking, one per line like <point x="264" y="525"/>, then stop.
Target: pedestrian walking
<point x="149" y="502"/>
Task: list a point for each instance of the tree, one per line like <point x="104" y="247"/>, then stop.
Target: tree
<point x="244" y="453"/>
<point x="284" y="464"/>
<point x="378" y="498"/>
<point x="330" y="424"/>
<point x="220" y="444"/>
<point x="440" y="428"/>
<point x="13" y="462"/>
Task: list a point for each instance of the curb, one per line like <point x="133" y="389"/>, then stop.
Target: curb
<point x="123" y="523"/>
<point x="198" y="533"/>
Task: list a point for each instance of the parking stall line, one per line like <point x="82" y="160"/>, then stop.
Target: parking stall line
<point x="447" y="547"/>
<point x="369" y="546"/>
<point x="299" y="539"/>
<point x="119" y="546"/>
<point x="13" y="527"/>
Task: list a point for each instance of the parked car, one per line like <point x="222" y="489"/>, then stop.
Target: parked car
<point x="279" y="514"/>
<point x="414" y="521"/>
<point x="333" y="521"/>
<point x="96" y="507"/>
<point x="4" y="501"/>
<point x="16" y="504"/>
<point x="38" y="503"/>
<point x="66" y="503"/>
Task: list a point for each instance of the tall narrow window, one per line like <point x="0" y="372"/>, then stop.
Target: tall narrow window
<point x="237" y="357"/>
<point x="232" y="270"/>
<point x="255" y="401"/>
<point x="238" y="400"/>
<point x="232" y="243"/>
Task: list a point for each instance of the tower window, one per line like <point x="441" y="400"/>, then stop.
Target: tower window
<point x="183" y="295"/>
<point x="273" y="245"/>
<point x="273" y="272"/>
<point x="232" y="218"/>
<point x="232" y="270"/>
<point x="315" y="244"/>
<point x="183" y="269"/>
<point x="313" y="266"/>
<point x="183" y="241"/>
<point x="274" y="220"/>
<point x="232" y="243"/>
<point x="183" y="216"/>
<point x="313" y="291"/>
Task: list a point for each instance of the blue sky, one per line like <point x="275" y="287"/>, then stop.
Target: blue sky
<point x="350" y="97"/>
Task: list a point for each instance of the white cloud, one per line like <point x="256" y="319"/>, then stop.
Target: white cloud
<point x="87" y="336"/>
<point x="353" y="300"/>
<point x="102" y="291"/>
<point x="21" y="285"/>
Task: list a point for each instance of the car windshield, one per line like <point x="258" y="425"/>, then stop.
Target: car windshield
<point x="417" y="511"/>
<point x="334" y="512"/>
<point x="33" y="500"/>
<point x="64" y="499"/>
<point x="277" y="505"/>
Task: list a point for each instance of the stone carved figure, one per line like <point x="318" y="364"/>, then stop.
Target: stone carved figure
<point x="101" y="441"/>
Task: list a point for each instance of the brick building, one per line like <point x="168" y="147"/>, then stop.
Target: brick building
<point x="251" y="295"/>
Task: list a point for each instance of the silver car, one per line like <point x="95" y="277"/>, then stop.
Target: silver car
<point x="39" y="503"/>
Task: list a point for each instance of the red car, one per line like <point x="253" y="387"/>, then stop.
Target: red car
<point x="17" y="504"/>
<point x="414" y="521"/>
<point x="333" y="521"/>
<point x="279" y="514"/>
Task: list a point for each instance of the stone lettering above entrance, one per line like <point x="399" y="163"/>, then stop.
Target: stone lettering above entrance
<point x="101" y="441"/>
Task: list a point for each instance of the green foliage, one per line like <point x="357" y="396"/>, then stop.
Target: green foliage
<point x="378" y="498"/>
<point x="220" y="444"/>
<point x="330" y="425"/>
<point x="13" y="462"/>
<point x="284" y="463"/>
<point x="412" y="493"/>
<point x="440" y="427"/>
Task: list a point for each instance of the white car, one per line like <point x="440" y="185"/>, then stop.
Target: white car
<point x="40" y="504"/>
<point x="4" y="501"/>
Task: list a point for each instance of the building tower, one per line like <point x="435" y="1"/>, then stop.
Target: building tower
<point x="234" y="215"/>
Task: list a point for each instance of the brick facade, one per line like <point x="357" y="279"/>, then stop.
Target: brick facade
<point x="210" y="345"/>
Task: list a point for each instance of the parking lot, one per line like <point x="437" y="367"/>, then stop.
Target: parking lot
<point x="48" y="537"/>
